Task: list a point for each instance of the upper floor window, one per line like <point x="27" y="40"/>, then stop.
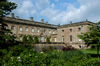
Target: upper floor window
<point x="12" y="27"/>
<point x="79" y="29"/>
<point x="49" y="31"/>
<point x="5" y="27"/>
<point x="20" y="28"/>
<point x="71" y="38"/>
<point x="32" y="29"/>
<point x="62" y="38"/>
<point x="53" y="32"/>
<point x="44" y="31"/>
<point x="70" y="30"/>
<point x="26" y="28"/>
<point x="62" y="31"/>
<point x="38" y="30"/>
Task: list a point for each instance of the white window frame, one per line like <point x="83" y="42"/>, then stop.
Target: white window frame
<point x="20" y="38"/>
<point x="12" y="28"/>
<point x="20" y="28"/>
<point x="38" y="30"/>
<point x="55" y="39"/>
<point x="53" y="32"/>
<point x="62" y="38"/>
<point x="26" y="29"/>
<point x="49" y="31"/>
<point x="32" y="29"/>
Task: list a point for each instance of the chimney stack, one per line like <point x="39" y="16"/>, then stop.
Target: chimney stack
<point x="42" y="20"/>
<point x="86" y="20"/>
<point x="70" y="22"/>
<point x="31" y="18"/>
<point x="46" y="22"/>
<point x="17" y="16"/>
<point x="12" y="15"/>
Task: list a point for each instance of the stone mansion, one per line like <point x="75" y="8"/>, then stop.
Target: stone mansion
<point x="57" y="33"/>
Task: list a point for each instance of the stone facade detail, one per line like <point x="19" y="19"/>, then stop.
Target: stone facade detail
<point x="57" y="33"/>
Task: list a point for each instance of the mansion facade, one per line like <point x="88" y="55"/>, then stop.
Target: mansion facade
<point x="57" y="33"/>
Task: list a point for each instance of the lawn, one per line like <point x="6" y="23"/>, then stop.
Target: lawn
<point x="92" y="52"/>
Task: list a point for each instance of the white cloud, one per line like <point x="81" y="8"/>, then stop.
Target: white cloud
<point x="87" y="10"/>
<point x="40" y="4"/>
<point x="56" y="0"/>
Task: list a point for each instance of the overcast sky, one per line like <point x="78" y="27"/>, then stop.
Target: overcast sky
<point x="58" y="11"/>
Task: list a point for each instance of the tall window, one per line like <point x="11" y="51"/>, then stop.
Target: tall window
<point x="62" y="31"/>
<point x="20" y="38"/>
<point x="55" y="39"/>
<point x="26" y="28"/>
<point x="53" y="32"/>
<point x="32" y="29"/>
<point x="70" y="30"/>
<point x="62" y="38"/>
<point x="79" y="29"/>
<point x="71" y="38"/>
<point x="12" y="27"/>
<point x="38" y="30"/>
<point x="44" y="31"/>
<point x="49" y="31"/>
<point x="20" y="28"/>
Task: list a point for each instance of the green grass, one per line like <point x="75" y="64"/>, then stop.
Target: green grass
<point x="91" y="52"/>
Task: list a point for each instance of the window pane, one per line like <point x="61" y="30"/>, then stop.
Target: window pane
<point x="12" y="27"/>
<point x="62" y="30"/>
<point x="79" y="29"/>
<point x="70" y="30"/>
<point x="20" y="28"/>
<point x="63" y="38"/>
<point x="26" y="28"/>
<point x="38" y="30"/>
<point x="49" y="31"/>
<point x="70" y="38"/>
<point x="32" y="29"/>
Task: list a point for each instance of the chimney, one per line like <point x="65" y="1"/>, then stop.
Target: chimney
<point x="86" y="20"/>
<point x="12" y="15"/>
<point x="42" y="20"/>
<point x="17" y="16"/>
<point x="31" y="18"/>
<point x="70" y="22"/>
<point x="46" y="22"/>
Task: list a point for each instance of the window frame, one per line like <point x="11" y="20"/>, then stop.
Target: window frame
<point x="32" y="30"/>
<point x="20" y="28"/>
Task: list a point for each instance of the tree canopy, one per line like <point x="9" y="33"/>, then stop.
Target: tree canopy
<point x="92" y="37"/>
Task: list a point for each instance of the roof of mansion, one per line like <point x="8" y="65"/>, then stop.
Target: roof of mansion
<point x="30" y="22"/>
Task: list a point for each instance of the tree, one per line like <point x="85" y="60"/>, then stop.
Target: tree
<point x="36" y="39"/>
<point x="92" y="37"/>
<point x="5" y="9"/>
<point x="24" y="38"/>
<point x="47" y="39"/>
<point x="30" y="38"/>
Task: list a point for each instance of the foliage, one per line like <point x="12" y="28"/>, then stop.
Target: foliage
<point x="48" y="49"/>
<point x="25" y="55"/>
<point x="30" y="39"/>
<point x="24" y="38"/>
<point x="92" y="36"/>
<point x="36" y="39"/>
<point x="5" y="9"/>
<point x="68" y="49"/>
<point x="47" y="39"/>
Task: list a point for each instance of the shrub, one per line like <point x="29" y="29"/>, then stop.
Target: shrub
<point x="70" y="54"/>
<point x="30" y="39"/>
<point x="24" y="38"/>
<point x="47" y="39"/>
<point x="36" y="39"/>
<point x="68" y="48"/>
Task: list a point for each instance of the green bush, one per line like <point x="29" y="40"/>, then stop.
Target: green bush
<point x="30" y="39"/>
<point x="24" y="38"/>
<point x="36" y="39"/>
<point x="70" y="54"/>
<point x="47" y="39"/>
